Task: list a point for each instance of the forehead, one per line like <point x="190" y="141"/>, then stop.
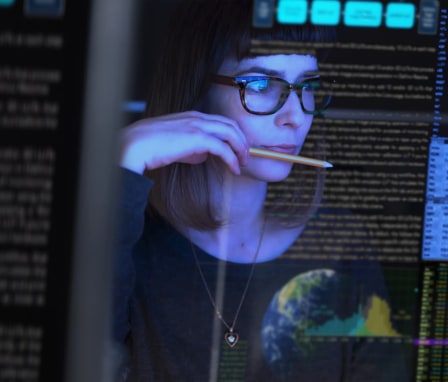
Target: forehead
<point x="287" y="66"/>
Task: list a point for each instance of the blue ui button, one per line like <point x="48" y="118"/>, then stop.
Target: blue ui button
<point x="263" y="14"/>
<point x="429" y="17"/>
<point x="50" y="8"/>
<point x="363" y="14"/>
<point x="325" y="12"/>
<point x="400" y="15"/>
<point x="6" y="3"/>
<point x="292" y="11"/>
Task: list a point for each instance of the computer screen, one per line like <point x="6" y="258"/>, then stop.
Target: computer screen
<point x="323" y="259"/>
<point x="61" y="69"/>
<point x="381" y="212"/>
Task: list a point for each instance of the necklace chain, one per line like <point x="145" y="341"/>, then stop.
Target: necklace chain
<point x="231" y="337"/>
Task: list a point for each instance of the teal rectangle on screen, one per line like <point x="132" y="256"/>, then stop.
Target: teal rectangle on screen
<point x="325" y="12"/>
<point x="400" y="15"/>
<point x="292" y="11"/>
<point x="6" y="3"/>
<point x="367" y="14"/>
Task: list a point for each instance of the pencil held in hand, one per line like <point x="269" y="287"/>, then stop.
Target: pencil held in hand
<point x="289" y="158"/>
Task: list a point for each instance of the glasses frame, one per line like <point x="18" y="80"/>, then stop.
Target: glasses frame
<point x="242" y="81"/>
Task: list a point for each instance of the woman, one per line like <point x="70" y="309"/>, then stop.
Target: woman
<point x="196" y="273"/>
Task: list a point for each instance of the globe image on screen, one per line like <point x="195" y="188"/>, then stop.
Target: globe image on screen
<point x="321" y="303"/>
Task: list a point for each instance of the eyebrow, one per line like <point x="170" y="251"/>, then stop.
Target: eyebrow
<point x="260" y="69"/>
<point x="275" y="73"/>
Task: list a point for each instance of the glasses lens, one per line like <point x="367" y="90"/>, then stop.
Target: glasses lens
<point x="316" y="95"/>
<point x="263" y="95"/>
<point x="267" y="95"/>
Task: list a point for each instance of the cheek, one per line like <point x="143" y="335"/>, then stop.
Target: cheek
<point x="309" y="122"/>
<point x="305" y="128"/>
<point x="227" y="103"/>
<point x="223" y="101"/>
<point x="254" y="130"/>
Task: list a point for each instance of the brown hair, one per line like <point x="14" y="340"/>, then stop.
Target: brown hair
<point x="201" y="34"/>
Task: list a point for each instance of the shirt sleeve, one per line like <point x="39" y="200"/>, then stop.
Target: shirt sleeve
<point x="132" y="203"/>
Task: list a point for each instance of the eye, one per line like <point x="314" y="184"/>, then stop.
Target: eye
<point x="310" y="85"/>
<point x="258" y="86"/>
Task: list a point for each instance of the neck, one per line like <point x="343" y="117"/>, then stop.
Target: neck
<point x="229" y="244"/>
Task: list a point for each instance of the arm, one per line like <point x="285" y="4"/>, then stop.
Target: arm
<point x="148" y="144"/>
<point x="134" y="192"/>
<point x="133" y="197"/>
<point x="151" y="143"/>
<point x="187" y="137"/>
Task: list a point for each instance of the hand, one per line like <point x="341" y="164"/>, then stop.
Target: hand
<point x="187" y="137"/>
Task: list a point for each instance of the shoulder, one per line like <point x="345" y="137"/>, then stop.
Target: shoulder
<point x="131" y="179"/>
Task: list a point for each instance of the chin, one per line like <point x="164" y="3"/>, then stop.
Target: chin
<point x="269" y="170"/>
<point x="276" y="178"/>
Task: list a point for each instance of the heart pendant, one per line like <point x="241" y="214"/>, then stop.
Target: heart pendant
<point x="231" y="338"/>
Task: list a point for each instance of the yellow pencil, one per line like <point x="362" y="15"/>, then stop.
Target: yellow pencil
<point x="289" y="158"/>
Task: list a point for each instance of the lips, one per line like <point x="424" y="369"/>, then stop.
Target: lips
<point x="285" y="149"/>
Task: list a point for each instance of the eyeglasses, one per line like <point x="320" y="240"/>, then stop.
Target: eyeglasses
<point x="266" y="95"/>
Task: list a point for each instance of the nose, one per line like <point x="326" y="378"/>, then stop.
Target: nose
<point x="291" y="113"/>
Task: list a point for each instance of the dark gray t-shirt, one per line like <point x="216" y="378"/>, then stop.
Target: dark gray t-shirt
<point x="301" y="320"/>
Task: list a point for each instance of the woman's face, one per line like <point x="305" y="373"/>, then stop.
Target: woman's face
<point x="285" y="130"/>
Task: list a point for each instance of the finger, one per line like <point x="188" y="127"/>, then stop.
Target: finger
<point x="224" y="131"/>
<point x="194" y="115"/>
<point x="211" y="145"/>
<point x="225" y="120"/>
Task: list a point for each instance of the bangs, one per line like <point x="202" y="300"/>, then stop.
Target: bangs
<point x="285" y="39"/>
<point x="241" y="40"/>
